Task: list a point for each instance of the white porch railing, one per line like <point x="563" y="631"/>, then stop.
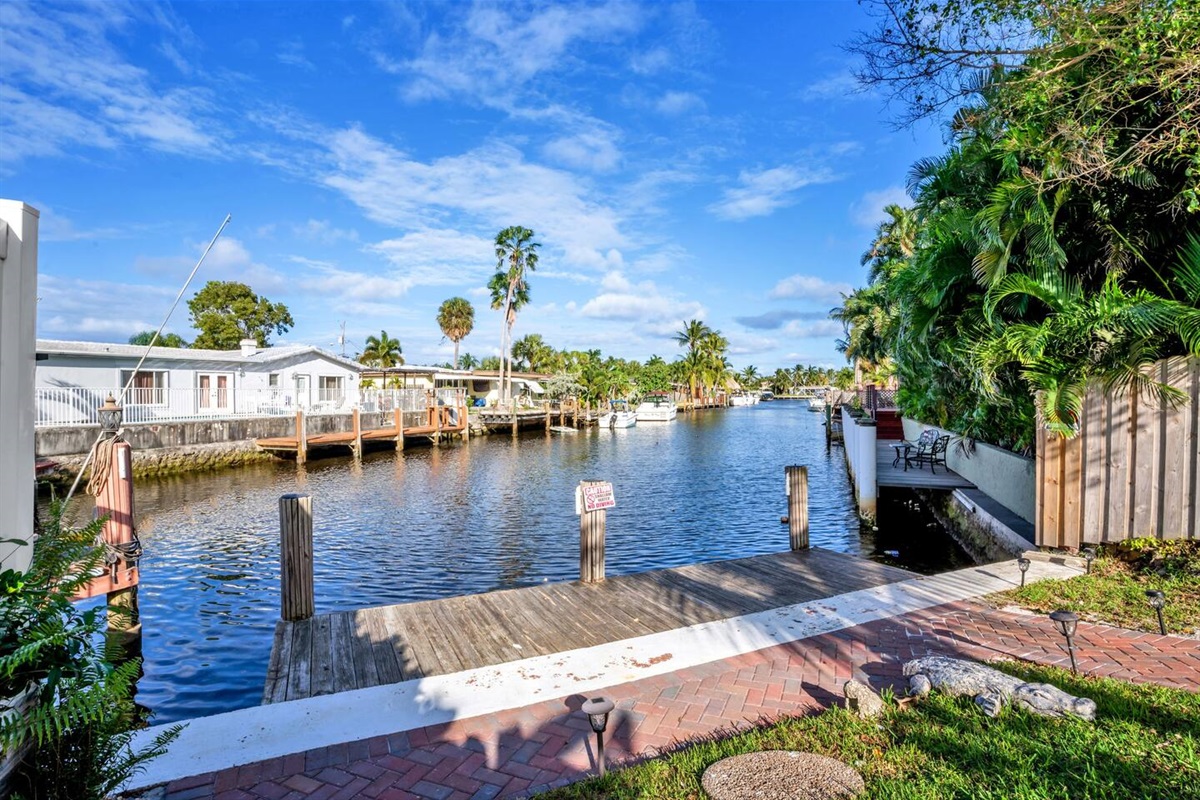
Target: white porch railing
<point x="73" y="405"/>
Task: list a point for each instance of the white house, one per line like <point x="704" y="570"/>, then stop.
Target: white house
<point x="73" y="378"/>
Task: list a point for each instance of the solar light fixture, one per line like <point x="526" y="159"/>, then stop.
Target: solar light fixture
<point x="1066" y="622"/>
<point x="1023" y="565"/>
<point x="597" y="710"/>
<point x="1089" y="555"/>
<point x="110" y="415"/>
<point x="1157" y="601"/>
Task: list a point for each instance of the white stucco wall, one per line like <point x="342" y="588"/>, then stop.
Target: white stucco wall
<point x="18" y="314"/>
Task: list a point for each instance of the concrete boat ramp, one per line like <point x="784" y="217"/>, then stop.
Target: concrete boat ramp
<point x="400" y="668"/>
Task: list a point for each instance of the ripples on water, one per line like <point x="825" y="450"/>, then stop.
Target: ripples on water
<point x="435" y="522"/>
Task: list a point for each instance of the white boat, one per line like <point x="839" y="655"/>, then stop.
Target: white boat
<point x="766" y="395"/>
<point x="816" y="404"/>
<point x="743" y="399"/>
<point x="657" y="407"/>
<point x="619" y="416"/>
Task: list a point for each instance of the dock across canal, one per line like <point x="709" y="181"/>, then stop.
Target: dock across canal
<point x="387" y="644"/>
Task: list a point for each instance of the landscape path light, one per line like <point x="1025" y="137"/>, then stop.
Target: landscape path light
<point x="1067" y="622"/>
<point x="597" y="710"/>
<point x="1089" y="555"/>
<point x="110" y="415"/>
<point x="1023" y="565"/>
<point x="1157" y="601"/>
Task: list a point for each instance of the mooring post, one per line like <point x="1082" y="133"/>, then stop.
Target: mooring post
<point x="301" y="438"/>
<point x="591" y="538"/>
<point x="547" y="402"/>
<point x="357" y="446"/>
<point x="562" y="411"/>
<point x="295" y="557"/>
<point x="576" y="410"/>
<point x="466" y="420"/>
<point x="116" y="503"/>
<point x="797" y="493"/>
<point x="513" y="400"/>
<point x="398" y="415"/>
<point x="828" y="424"/>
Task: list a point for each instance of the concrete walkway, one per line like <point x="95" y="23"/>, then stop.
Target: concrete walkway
<point x="522" y="741"/>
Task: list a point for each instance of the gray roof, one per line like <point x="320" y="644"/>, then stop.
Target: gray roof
<point x="263" y="356"/>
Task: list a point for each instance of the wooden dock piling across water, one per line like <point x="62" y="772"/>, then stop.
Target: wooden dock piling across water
<point x="387" y="644"/>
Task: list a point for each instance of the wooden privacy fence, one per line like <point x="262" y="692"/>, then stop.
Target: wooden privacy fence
<point x="1131" y="470"/>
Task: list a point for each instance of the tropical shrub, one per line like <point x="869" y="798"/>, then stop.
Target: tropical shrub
<point x="80" y="726"/>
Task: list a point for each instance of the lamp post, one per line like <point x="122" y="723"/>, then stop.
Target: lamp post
<point x="1023" y="565"/>
<point x="1089" y="555"/>
<point x="110" y="416"/>
<point x="1066" y="622"/>
<point x="1157" y="601"/>
<point x="598" y="709"/>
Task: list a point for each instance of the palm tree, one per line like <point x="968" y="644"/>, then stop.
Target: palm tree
<point x="749" y="378"/>
<point x="456" y="318"/>
<point x="533" y="353"/>
<point x="516" y="254"/>
<point x="382" y="351"/>
<point x="691" y="337"/>
<point x="466" y="361"/>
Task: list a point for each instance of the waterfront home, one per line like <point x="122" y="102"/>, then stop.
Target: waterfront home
<point x="73" y="378"/>
<point x="481" y="386"/>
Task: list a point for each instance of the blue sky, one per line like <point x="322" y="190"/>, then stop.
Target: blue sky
<point x="708" y="160"/>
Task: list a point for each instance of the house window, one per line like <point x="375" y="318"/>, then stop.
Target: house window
<point x="273" y="380"/>
<point x="330" y="388"/>
<point x="149" y="387"/>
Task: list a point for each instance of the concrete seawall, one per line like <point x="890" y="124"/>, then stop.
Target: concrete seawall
<point x="175" y="447"/>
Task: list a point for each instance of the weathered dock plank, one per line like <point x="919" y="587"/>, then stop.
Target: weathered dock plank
<point x="387" y="644"/>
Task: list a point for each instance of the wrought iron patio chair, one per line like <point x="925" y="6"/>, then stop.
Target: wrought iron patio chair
<point x="935" y="454"/>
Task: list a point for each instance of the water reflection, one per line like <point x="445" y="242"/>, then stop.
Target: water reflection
<point x="434" y="522"/>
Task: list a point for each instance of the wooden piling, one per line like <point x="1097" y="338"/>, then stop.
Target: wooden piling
<point x="398" y="414"/>
<point x="357" y="444"/>
<point x="116" y="504"/>
<point x="575" y="408"/>
<point x="591" y="542"/>
<point x="301" y="438"/>
<point x="547" y="402"/>
<point x="466" y="421"/>
<point x="797" y="489"/>
<point x="296" y="557"/>
<point x="562" y="412"/>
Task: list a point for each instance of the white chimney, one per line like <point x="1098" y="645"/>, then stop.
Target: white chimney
<point x="249" y="347"/>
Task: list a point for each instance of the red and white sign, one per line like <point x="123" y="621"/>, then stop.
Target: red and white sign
<point x="596" y="496"/>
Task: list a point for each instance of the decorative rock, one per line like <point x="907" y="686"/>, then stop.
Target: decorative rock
<point x="781" y="775"/>
<point x="862" y="699"/>
<point x="992" y="689"/>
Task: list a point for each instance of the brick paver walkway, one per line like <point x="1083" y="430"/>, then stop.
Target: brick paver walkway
<point x="520" y="752"/>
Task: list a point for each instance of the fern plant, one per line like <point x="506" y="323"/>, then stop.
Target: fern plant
<point x="80" y="724"/>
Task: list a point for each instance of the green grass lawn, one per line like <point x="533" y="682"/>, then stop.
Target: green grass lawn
<point x="1115" y="592"/>
<point x="1145" y="743"/>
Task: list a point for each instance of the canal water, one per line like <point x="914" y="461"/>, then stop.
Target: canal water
<point x="497" y="513"/>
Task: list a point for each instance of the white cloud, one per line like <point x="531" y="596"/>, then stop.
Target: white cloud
<point x="656" y="312"/>
<point x="648" y="62"/>
<point x="498" y="49"/>
<point x="594" y="150"/>
<point x="809" y="287"/>
<point x="485" y="185"/>
<point x="673" y="104"/>
<point x="322" y="230"/>
<point x="763" y="191"/>
<point x="813" y="330"/>
<point x="292" y="54"/>
<point x="868" y="211"/>
<point x="54" y="227"/>
<point x="74" y="308"/>
<point x="838" y="86"/>
<point x="67" y="87"/>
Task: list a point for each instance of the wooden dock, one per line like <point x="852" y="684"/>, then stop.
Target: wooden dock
<point x="887" y="475"/>
<point x="434" y="423"/>
<point x="348" y="650"/>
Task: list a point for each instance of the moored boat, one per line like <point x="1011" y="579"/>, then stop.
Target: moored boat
<point x="619" y="415"/>
<point x="657" y="407"/>
<point x="743" y="399"/>
<point x="817" y="404"/>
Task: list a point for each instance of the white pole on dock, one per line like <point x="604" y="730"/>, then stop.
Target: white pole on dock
<point x="864" y="473"/>
<point x="797" y="494"/>
<point x="296" y="600"/>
